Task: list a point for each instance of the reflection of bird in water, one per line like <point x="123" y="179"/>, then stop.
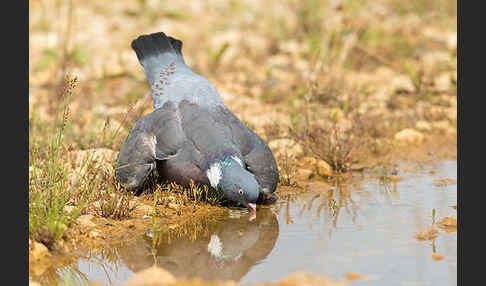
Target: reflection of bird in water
<point x="228" y="249"/>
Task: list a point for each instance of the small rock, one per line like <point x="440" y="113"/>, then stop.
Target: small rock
<point x="454" y="76"/>
<point x="303" y="174"/>
<point x="85" y="221"/>
<point x="437" y="256"/>
<point x="423" y="125"/>
<point x="93" y="233"/>
<point x="395" y="178"/>
<point x="321" y="167"/>
<point x="282" y="146"/>
<point x="112" y="66"/>
<point x="451" y="113"/>
<point x="133" y="203"/>
<point x="39" y="259"/>
<point x="38" y="251"/>
<point x="33" y="283"/>
<point x="173" y="205"/>
<point x="448" y="223"/>
<point x="96" y="205"/>
<point x="308" y="279"/>
<point x="402" y="84"/>
<point x="278" y="61"/>
<point x="428" y="234"/>
<point x="451" y="131"/>
<point x="441" y="125"/>
<point x="68" y="209"/>
<point x="355" y="276"/>
<point x="452" y="41"/>
<point x="153" y="275"/>
<point x="432" y="59"/>
<point x="409" y="135"/>
<point x="443" y="82"/>
<point x="307" y="162"/>
<point x="444" y="182"/>
<point x="324" y="169"/>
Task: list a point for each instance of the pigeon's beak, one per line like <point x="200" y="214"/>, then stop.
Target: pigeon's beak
<point x="251" y="207"/>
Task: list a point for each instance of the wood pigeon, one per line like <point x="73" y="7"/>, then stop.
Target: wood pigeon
<point x="191" y="134"/>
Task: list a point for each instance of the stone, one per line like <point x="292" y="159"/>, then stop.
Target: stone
<point x="307" y="162"/>
<point x="410" y="136"/>
<point x="303" y="174"/>
<point x="451" y="113"/>
<point x="93" y="234"/>
<point x="432" y="59"/>
<point x="402" y="83"/>
<point x="437" y="256"/>
<point x="443" y="82"/>
<point x="282" y="146"/>
<point x="308" y="279"/>
<point x="355" y="276"/>
<point x="143" y="209"/>
<point x="423" y="125"/>
<point x="441" y="125"/>
<point x="444" y="182"/>
<point x="324" y="169"/>
<point x="428" y="234"/>
<point x="321" y="167"/>
<point x="39" y="259"/>
<point x="452" y="41"/>
<point x="96" y="205"/>
<point x="451" y="132"/>
<point x="151" y="276"/>
<point x="112" y="65"/>
<point x="395" y="178"/>
<point x="278" y="61"/>
<point x="38" y="251"/>
<point x="447" y="222"/>
<point x="85" y="220"/>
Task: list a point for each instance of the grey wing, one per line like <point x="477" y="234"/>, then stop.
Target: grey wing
<point x="201" y="126"/>
<point x="261" y="162"/>
<point x="156" y="136"/>
<point x="256" y="154"/>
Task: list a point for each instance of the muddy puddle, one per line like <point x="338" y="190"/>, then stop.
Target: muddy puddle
<point x="363" y="231"/>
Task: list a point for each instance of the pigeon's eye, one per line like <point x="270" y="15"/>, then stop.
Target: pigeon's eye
<point x="240" y="191"/>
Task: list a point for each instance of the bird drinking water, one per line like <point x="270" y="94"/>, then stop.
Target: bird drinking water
<point x="191" y="134"/>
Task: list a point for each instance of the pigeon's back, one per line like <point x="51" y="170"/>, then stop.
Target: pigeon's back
<point x="170" y="78"/>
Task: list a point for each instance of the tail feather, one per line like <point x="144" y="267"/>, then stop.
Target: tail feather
<point x="176" y="44"/>
<point x="152" y="45"/>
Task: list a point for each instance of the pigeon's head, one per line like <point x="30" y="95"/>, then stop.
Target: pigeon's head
<point x="236" y="184"/>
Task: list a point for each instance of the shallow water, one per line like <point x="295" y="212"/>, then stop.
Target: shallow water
<point x="364" y="227"/>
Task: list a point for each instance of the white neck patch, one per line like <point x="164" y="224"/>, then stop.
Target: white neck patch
<point x="214" y="174"/>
